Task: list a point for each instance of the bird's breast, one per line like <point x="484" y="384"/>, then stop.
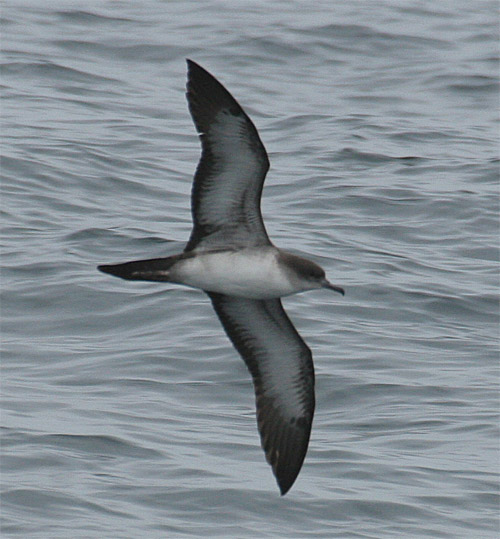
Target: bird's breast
<point x="249" y="273"/>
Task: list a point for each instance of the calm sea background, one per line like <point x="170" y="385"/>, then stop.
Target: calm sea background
<point x="126" y="411"/>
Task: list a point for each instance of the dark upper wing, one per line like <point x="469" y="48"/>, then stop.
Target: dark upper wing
<point x="283" y="375"/>
<point x="228" y="182"/>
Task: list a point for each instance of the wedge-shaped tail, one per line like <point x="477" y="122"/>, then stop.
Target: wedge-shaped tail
<point x="154" y="269"/>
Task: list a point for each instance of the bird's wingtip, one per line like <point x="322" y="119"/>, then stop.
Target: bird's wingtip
<point x="283" y="490"/>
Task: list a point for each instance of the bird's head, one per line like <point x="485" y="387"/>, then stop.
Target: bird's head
<point x="307" y="273"/>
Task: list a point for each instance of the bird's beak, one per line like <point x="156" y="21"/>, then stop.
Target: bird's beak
<point x="328" y="284"/>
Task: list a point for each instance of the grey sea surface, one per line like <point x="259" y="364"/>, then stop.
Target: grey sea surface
<point x="126" y="412"/>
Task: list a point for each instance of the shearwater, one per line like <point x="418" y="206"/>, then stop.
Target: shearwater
<point x="230" y="257"/>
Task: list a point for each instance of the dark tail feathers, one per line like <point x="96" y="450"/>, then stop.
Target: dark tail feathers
<point x="155" y="269"/>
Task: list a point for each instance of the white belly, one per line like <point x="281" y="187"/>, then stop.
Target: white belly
<point x="250" y="273"/>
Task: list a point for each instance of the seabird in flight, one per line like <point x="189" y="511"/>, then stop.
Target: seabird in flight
<point x="230" y="257"/>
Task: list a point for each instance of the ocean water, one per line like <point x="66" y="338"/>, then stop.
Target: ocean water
<point x="126" y="412"/>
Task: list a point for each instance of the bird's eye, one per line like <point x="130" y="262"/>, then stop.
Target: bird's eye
<point x="316" y="273"/>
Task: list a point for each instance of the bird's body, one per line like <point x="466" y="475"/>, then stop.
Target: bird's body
<point x="254" y="273"/>
<point x="230" y="257"/>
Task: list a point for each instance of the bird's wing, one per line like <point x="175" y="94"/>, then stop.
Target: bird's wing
<point x="283" y="375"/>
<point x="227" y="186"/>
